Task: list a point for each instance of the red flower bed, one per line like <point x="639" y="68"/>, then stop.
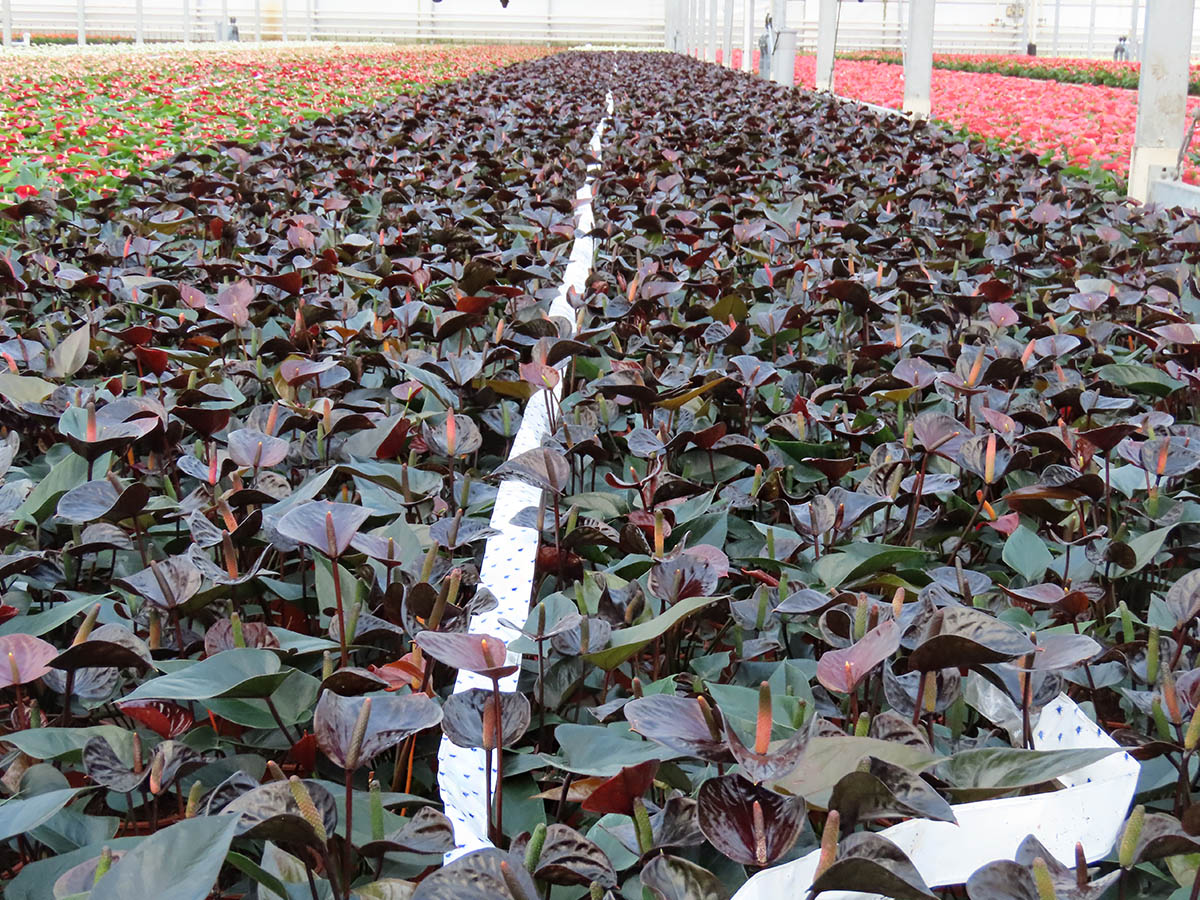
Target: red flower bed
<point x="93" y="118"/>
<point x="1089" y="126"/>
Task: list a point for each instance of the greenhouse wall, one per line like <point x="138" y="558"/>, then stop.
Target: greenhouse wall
<point x="1084" y="28"/>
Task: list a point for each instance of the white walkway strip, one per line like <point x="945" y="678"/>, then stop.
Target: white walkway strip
<point x="509" y="558"/>
<point x="1089" y="809"/>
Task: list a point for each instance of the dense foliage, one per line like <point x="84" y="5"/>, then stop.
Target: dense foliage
<point x="69" y="118"/>
<point x="871" y="441"/>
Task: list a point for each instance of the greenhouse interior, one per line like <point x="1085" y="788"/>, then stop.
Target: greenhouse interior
<point x="663" y="450"/>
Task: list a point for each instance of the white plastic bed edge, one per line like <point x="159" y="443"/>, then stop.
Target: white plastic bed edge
<point x="509" y="557"/>
<point x="1090" y="809"/>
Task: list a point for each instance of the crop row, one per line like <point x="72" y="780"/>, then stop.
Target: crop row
<point x="870" y="443"/>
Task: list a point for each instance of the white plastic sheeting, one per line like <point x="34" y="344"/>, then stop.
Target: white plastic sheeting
<point x="510" y="556"/>
<point x="1090" y="809"/>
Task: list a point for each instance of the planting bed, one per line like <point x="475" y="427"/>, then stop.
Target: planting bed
<point x="87" y="119"/>
<point x="866" y="444"/>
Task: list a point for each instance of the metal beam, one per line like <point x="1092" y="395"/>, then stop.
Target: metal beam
<point x="80" y="24"/>
<point x="826" y="41"/>
<point x="1162" y="93"/>
<point x="918" y="59"/>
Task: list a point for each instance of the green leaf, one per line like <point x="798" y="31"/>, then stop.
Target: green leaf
<point x="604" y="751"/>
<point x="238" y="673"/>
<point x="1025" y="552"/>
<point x="70" y="472"/>
<point x="856" y="560"/>
<point x="1143" y="379"/>
<point x="828" y="759"/>
<point x="21" y="814"/>
<point x="71" y="353"/>
<point x="256" y="873"/>
<point x="52" y="743"/>
<point x="24" y="388"/>
<point x="1145" y="547"/>
<point x="39" y="623"/>
<point x="625" y="642"/>
<point x="992" y="771"/>
<point x="180" y="862"/>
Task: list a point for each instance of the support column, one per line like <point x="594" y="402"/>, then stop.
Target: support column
<point x="826" y="39"/>
<point x="6" y="13"/>
<point x="1134" y="52"/>
<point x="701" y="30"/>
<point x="1057" y="24"/>
<point x="785" y="58"/>
<point x="1091" y="41"/>
<point x="258" y="21"/>
<point x="693" y="42"/>
<point x="80" y="24"/>
<point x="918" y="59"/>
<point x="310" y="17"/>
<point x="187" y="21"/>
<point x="748" y="36"/>
<point x="714" y="32"/>
<point x="727" y="37"/>
<point x="1162" y="93"/>
<point x="779" y="21"/>
<point x="283" y="19"/>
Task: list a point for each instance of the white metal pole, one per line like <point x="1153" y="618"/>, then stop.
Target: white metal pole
<point x="1091" y="40"/>
<point x="258" y="21"/>
<point x="779" y="19"/>
<point x="693" y="34"/>
<point x="826" y="38"/>
<point x="1162" y="93"/>
<point x="1057" y="24"/>
<point x="310" y="15"/>
<point x="727" y="41"/>
<point x="1133" y="31"/>
<point x="187" y="23"/>
<point x="748" y="36"/>
<point x="918" y="59"/>
<point x="223" y="31"/>
<point x="714" y="31"/>
<point x="785" y="58"/>
<point x="283" y="18"/>
<point x="7" y="13"/>
<point x="701" y="31"/>
<point x="80" y="23"/>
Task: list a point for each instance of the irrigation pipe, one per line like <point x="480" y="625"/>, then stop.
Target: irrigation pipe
<point x="509" y="557"/>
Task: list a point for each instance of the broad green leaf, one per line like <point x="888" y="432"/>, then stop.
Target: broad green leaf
<point x="71" y="353"/>
<point x="19" y="389"/>
<point x="603" y="751"/>
<point x="69" y="472"/>
<point x="180" y="862"/>
<point x="625" y="642"/>
<point x="1145" y="547"/>
<point x="1025" y="552"/>
<point x="39" y="623"/>
<point x="1143" y="379"/>
<point x="827" y="759"/>
<point x="21" y="814"/>
<point x="238" y="673"/>
<point x="991" y="771"/>
<point x="857" y="560"/>
<point x="52" y="743"/>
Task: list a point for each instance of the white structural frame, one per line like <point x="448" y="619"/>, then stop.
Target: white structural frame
<point x="918" y="60"/>
<point x="727" y="36"/>
<point x="748" y="37"/>
<point x="1162" y="97"/>
<point x="826" y="44"/>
